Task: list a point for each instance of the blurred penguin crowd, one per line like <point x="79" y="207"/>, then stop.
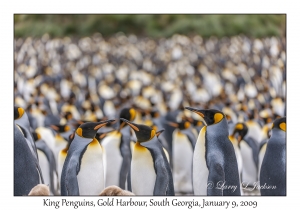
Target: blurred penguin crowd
<point x="62" y="83"/>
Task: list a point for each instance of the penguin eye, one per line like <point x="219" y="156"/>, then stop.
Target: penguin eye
<point x="282" y="126"/>
<point x="217" y="118"/>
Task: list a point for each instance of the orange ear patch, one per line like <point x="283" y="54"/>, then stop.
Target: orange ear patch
<point x="152" y="134"/>
<point x="282" y="126"/>
<point x="79" y="131"/>
<point x="239" y="126"/>
<point x="218" y="117"/>
<point x="21" y="112"/>
<point x="132" y="114"/>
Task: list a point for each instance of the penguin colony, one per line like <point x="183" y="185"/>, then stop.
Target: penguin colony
<point x="137" y="116"/>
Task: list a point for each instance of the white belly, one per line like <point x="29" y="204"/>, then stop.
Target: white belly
<point x="143" y="175"/>
<point x="249" y="172"/>
<point x="239" y="162"/>
<point x="91" y="175"/>
<point x="200" y="170"/>
<point x="114" y="159"/>
<point x="44" y="164"/>
<point x="261" y="156"/>
<point x="47" y="136"/>
<point x="60" y="163"/>
<point x="182" y="163"/>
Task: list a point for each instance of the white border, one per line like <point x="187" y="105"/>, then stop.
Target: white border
<point x="127" y="6"/>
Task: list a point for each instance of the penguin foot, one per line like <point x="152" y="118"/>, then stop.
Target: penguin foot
<point x="40" y="190"/>
<point x="114" y="191"/>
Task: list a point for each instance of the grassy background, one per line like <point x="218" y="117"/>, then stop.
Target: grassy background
<point x="166" y="25"/>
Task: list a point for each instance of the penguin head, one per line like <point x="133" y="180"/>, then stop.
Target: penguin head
<point x="89" y="129"/>
<point x="18" y="112"/>
<point x="181" y="125"/>
<point x="154" y="114"/>
<point x="60" y="128"/>
<point x="36" y="136"/>
<point x="241" y="129"/>
<point x="128" y="114"/>
<point x="280" y="123"/>
<point x="143" y="133"/>
<point x="210" y="116"/>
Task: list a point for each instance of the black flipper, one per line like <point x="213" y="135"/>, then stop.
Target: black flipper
<point x="126" y="154"/>
<point x="41" y="145"/>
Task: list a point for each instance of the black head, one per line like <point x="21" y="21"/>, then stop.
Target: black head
<point x="18" y="112"/>
<point x="60" y="128"/>
<point x="241" y="129"/>
<point x="143" y="133"/>
<point x="89" y="129"/>
<point x="210" y="116"/>
<point x="181" y="125"/>
<point x="280" y="123"/>
<point x="36" y="136"/>
<point x="154" y="114"/>
<point x="128" y="114"/>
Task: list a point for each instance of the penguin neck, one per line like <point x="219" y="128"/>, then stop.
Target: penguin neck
<point x="219" y="129"/>
<point x="278" y="135"/>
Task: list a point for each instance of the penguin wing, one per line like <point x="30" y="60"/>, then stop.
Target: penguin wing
<point x="41" y="145"/>
<point x="161" y="183"/>
<point x="164" y="180"/>
<point x="69" y="181"/>
<point x="126" y="154"/>
<point x="216" y="175"/>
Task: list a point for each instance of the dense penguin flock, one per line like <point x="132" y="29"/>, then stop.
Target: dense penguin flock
<point x="141" y="116"/>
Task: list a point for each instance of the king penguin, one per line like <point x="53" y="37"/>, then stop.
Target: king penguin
<point x="273" y="168"/>
<point x="249" y="152"/>
<point x="150" y="170"/>
<point x="118" y="153"/>
<point x="183" y="148"/>
<point x="26" y="174"/>
<point x="83" y="172"/>
<point x="47" y="163"/>
<point x="21" y="121"/>
<point x="214" y="160"/>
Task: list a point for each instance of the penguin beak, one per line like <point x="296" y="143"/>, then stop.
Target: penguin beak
<point x="173" y="124"/>
<point x="197" y="111"/>
<point x="101" y="124"/>
<point x="159" y="132"/>
<point x="130" y="124"/>
<point x="54" y="127"/>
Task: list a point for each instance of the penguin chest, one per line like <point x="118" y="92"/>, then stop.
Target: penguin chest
<point x="60" y="144"/>
<point x="261" y="155"/>
<point x="143" y="174"/>
<point x="182" y="162"/>
<point x="91" y="174"/>
<point x="249" y="173"/>
<point x="200" y="170"/>
<point x="114" y="158"/>
<point x="45" y="167"/>
<point x="60" y="162"/>
<point x="238" y="155"/>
